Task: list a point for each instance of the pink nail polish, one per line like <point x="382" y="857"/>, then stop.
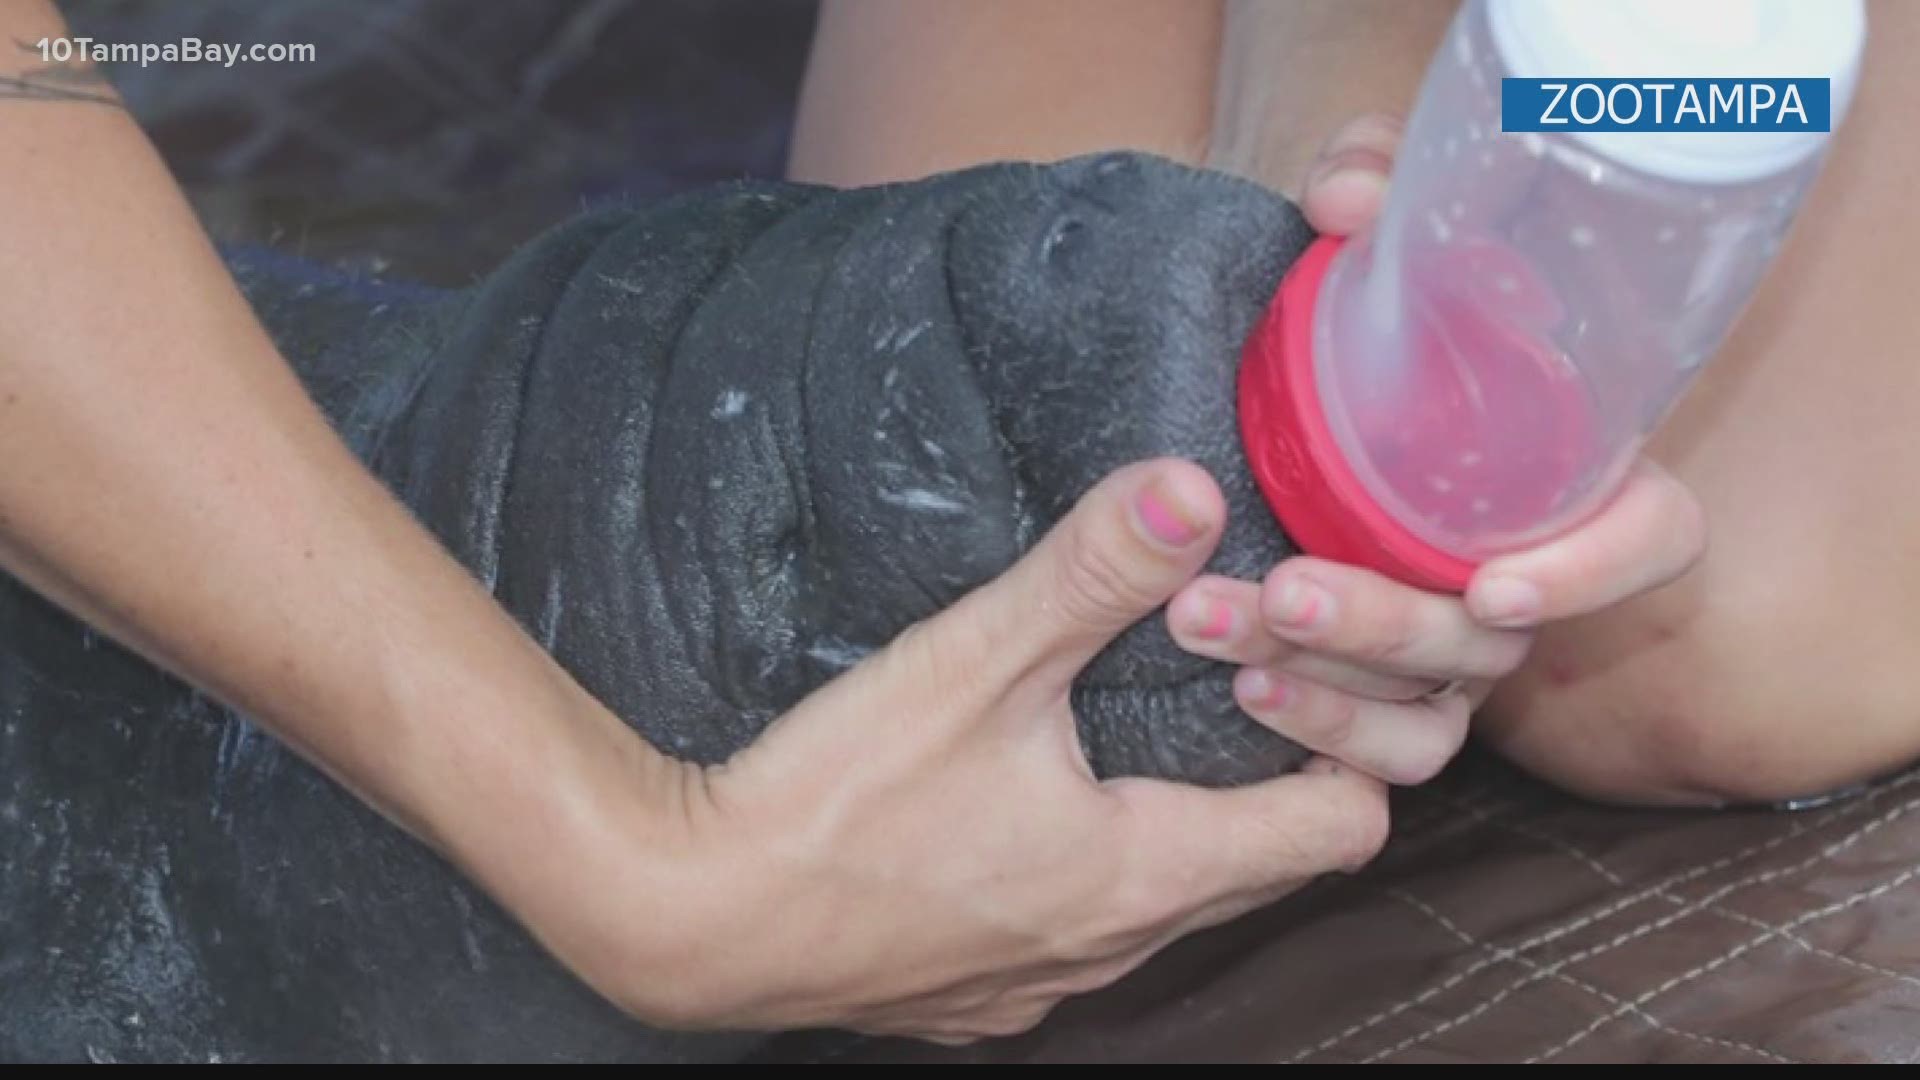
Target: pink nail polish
<point x="1262" y="690"/>
<point x="1301" y="606"/>
<point x="1162" y="521"/>
<point x="1280" y="696"/>
<point x="1219" y="621"/>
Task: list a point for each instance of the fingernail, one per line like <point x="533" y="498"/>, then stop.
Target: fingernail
<point x="1162" y="519"/>
<point x="1219" y="621"/>
<point x="1359" y="176"/>
<point x="1302" y="605"/>
<point x="1506" y="602"/>
<point x="1261" y="690"/>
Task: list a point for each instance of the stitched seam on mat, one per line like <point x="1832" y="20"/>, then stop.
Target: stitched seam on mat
<point x="1441" y="830"/>
<point x="1607" y="996"/>
<point x="1441" y="805"/>
<point x="1838" y="958"/>
<point x="1541" y="836"/>
<point x="1628" y="936"/>
<point x="1592" y="862"/>
<point x="1429" y="815"/>
<point x="1408" y="842"/>
<point x="1603" y="912"/>
<point x="1499" y="956"/>
<point x="1565" y="847"/>
<point x="1733" y="954"/>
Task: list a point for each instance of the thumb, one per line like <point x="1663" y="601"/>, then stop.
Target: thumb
<point x="1652" y="532"/>
<point x="1121" y="553"/>
<point x="1324" y="819"/>
<point x="1347" y="184"/>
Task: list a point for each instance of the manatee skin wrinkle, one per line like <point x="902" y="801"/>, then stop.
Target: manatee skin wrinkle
<point x="711" y="453"/>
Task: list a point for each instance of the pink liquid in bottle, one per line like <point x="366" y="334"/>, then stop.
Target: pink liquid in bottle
<point x="1473" y="429"/>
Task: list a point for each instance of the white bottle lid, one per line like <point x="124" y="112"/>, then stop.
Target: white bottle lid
<point x="1683" y="39"/>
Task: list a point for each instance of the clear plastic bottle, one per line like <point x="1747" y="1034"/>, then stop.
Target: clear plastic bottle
<point x="1488" y="360"/>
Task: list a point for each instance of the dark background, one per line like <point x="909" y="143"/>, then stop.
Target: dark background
<point x="429" y="137"/>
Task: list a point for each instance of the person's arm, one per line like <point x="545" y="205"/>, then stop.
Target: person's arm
<point x="901" y="89"/>
<point x="164" y="476"/>
<point x="1293" y="74"/>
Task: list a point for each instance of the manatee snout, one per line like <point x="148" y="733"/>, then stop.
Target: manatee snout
<point x="1103" y="304"/>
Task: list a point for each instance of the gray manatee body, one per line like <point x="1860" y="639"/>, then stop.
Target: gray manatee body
<point x="711" y="453"/>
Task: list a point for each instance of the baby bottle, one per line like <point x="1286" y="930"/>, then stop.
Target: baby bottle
<point x="1477" y="372"/>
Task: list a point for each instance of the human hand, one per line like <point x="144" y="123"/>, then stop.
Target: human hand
<point x="920" y="849"/>
<point x="1384" y="676"/>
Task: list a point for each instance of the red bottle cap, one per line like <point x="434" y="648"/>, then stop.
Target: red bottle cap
<point x="1300" y="469"/>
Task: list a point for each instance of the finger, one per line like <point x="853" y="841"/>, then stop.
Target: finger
<point x="1364" y="618"/>
<point x="1210" y="844"/>
<point x="1402" y="743"/>
<point x="1652" y="532"/>
<point x="1116" y="557"/>
<point x="1349" y="678"/>
<point x="1219" y="618"/>
<point x="1347" y="184"/>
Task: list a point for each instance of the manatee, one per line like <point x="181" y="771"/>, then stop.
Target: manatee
<point x="711" y="452"/>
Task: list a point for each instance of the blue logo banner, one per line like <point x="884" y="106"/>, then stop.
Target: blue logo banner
<point x="1665" y="105"/>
